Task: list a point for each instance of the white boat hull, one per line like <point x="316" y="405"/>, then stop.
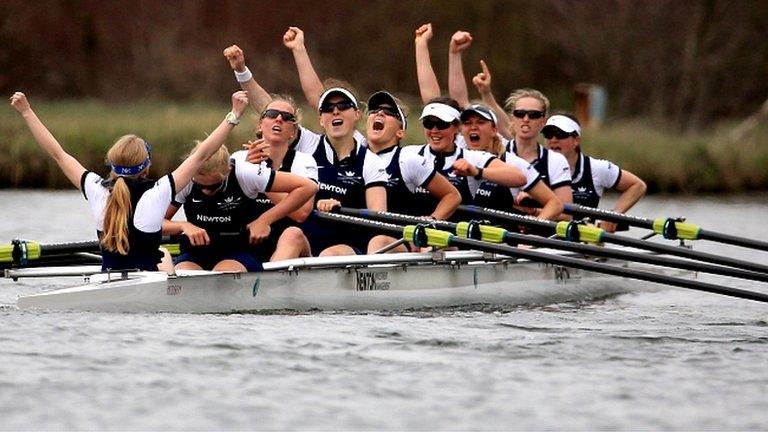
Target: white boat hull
<point x="310" y="284"/>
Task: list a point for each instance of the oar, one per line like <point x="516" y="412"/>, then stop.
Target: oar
<point x="25" y="253"/>
<point x="670" y="228"/>
<point x="423" y="236"/>
<point x="579" y="232"/>
<point x="497" y="235"/>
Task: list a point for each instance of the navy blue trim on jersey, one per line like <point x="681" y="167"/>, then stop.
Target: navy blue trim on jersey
<point x="343" y="181"/>
<point x="583" y="191"/>
<point x="143" y="251"/>
<point x="224" y="216"/>
<point x="541" y="164"/>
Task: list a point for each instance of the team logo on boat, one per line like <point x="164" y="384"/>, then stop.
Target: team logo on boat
<point x="173" y="289"/>
<point x="372" y="281"/>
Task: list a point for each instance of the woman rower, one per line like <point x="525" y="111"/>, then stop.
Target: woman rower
<point x="480" y="133"/>
<point x="220" y="203"/>
<point x="349" y="175"/>
<point x="406" y="171"/>
<point x="591" y="176"/>
<point x="464" y="168"/>
<point x="127" y="207"/>
<point x="527" y="110"/>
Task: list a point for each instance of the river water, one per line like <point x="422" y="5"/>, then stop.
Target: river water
<point x="672" y="359"/>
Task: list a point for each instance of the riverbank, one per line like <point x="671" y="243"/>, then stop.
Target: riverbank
<point x="705" y="161"/>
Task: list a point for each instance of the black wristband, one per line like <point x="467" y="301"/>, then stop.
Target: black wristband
<point x="479" y="175"/>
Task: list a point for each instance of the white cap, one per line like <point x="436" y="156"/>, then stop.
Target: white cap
<point x="442" y="111"/>
<point x="564" y="123"/>
<point x="337" y="90"/>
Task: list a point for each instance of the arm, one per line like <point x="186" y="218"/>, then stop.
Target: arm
<point x="632" y="188"/>
<point x="551" y="207"/>
<point x="457" y="84"/>
<point x="449" y="197"/>
<point x="293" y="39"/>
<point x="299" y="189"/>
<point x="496" y="171"/>
<point x="376" y="198"/>
<point x="70" y="166"/>
<point x="197" y="236"/>
<point x="482" y="82"/>
<point x="258" y="97"/>
<point x="183" y="174"/>
<point x="299" y="215"/>
<point x="428" y="86"/>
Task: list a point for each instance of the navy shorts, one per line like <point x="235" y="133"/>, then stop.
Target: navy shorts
<point x="208" y="259"/>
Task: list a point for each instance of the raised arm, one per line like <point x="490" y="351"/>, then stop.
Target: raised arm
<point x="482" y="82"/>
<point x="70" y="166"/>
<point x="183" y="174"/>
<point x="293" y="39"/>
<point x="457" y="84"/>
<point x="257" y="96"/>
<point x="428" y="86"/>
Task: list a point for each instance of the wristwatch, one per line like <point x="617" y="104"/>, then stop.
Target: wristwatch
<point x="231" y="118"/>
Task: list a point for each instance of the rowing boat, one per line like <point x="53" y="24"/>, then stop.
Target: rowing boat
<point x="382" y="282"/>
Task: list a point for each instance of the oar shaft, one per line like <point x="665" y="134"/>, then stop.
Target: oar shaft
<point x="683" y="230"/>
<point x="685" y="253"/>
<point x="625" y="241"/>
<point x="608" y="269"/>
<point x="595" y="213"/>
<point x="733" y="240"/>
<point x="578" y="247"/>
<point x="443" y="238"/>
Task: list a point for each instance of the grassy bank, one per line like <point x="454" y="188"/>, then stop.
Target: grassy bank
<point x="669" y="162"/>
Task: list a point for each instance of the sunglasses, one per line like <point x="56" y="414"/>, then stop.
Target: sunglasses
<point x="430" y="124"/>
<point x="386" y="110"/>
<point x="327" y="107"/>
<point x="532" y="114"/>
<point x="211" y="187"/>
<point x="557" y="133"/>
<point x="274" y="113"/>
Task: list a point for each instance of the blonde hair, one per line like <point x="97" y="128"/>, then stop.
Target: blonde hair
<point x="128" y="150"/>
<point x="217" y="163"/>
<point x="509" y="104"/>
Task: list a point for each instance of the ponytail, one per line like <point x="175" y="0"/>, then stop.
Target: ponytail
<point x="116" y="214"/>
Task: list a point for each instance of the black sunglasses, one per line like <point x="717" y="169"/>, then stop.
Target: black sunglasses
<point x="327" y="107"/>
<point x="532" y="114"/>
<point x="274" y="113"/>
<point x="212" y="187"/>
<point x="557" y="133"/>
<point x="429" y="124"/>
<point x="386" y="110"/>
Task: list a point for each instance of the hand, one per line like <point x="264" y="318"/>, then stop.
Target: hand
<point x="236" y="58"/>
<point x="463" y="168"/>
<point x="482" y="80"/>
<point x="424" y="33"/>
<point x="258" y="151"/>
<point x="293" y="38"/>
<point x="521" y="196"/>
<point x="607" y="226"/>
<point x="259" y="231"/>
<point x="326" y="205"/>
<point x="239" y="102"/>
<point x="197" y="236"/>
<point x="20" y="103"/>
<point x="460" y="41"/>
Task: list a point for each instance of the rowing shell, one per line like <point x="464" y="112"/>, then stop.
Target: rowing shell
<point x="367" y="282"/>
